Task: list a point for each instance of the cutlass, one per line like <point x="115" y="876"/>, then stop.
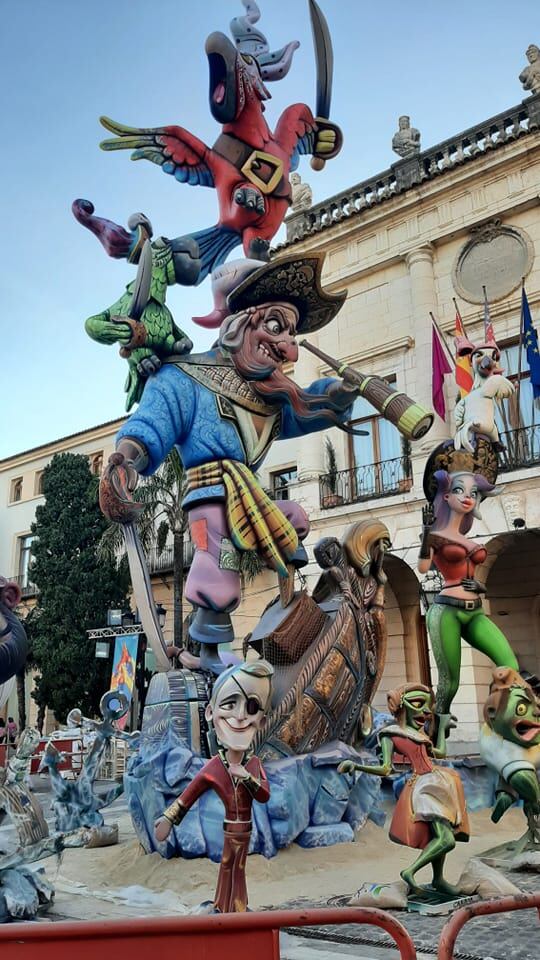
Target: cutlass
<point x="324" y="61"/>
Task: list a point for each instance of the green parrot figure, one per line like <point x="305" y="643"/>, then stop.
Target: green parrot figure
<point x="145" y="342"/>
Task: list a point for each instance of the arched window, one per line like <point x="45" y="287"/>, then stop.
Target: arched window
<point x="15" y="490"/>
<point x="96" y="463"/>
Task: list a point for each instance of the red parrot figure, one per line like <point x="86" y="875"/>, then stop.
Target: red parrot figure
<point x="248" y="165"/>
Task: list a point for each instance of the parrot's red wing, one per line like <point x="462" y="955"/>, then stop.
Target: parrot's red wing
<point x="174" y="149"/>
<point x="295" y="129"/>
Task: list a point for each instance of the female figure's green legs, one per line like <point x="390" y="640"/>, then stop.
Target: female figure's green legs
<point x="440" y="845"/>
<point x="446" y="626"/>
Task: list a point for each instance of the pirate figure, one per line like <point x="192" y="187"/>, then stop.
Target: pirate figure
<point x="222" y="410"/>
<point x="236" y="711"/>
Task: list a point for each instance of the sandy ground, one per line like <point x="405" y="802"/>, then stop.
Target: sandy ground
<point x="84" y="877"/>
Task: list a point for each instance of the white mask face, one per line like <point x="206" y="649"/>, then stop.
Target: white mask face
<point x="239" y="710"/>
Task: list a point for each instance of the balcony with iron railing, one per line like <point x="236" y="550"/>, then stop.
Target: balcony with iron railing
<point x="366" y="482"/>
<point x="28" y="589"/>
<point x="521" y="448"/>
<point x="164" y="562"/>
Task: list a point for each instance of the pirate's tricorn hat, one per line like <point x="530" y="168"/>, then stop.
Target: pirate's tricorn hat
<point x="446" y="457"/>
<point x="294" y="279"/>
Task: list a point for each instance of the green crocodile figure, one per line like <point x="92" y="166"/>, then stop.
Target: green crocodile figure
<point x="146" y="343"/>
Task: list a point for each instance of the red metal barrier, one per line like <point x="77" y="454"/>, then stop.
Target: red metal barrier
<point x="233" y="936"/>
<point x="71" y="747"/>
<point x="450" y="931"/>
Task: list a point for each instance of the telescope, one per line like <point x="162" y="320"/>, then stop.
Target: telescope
<point x="411" y="419"/>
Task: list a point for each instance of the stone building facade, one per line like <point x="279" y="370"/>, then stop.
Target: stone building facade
<point x="436" y="225"/>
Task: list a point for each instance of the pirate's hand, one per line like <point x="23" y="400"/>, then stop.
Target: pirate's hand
<point x="237" y="770"/>
<point x="343" y="392"/>
<point x="118" y="481"/>
<point x="162" y="829"/>
<point x="328" y="139"/>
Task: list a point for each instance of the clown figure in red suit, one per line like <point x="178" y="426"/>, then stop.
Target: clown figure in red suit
<point x="236" y="711"/>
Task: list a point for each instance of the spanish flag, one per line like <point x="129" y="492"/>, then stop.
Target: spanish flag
<point x="464" y="376"/>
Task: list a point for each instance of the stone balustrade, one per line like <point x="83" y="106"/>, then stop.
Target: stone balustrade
<point x="465" y="147"/>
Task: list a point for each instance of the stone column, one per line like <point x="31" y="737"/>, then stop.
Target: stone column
<point x="424" y="299"/>
<point x="310" y="447"/>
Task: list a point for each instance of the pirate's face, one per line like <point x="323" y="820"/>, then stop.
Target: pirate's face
<point x="269" y="341"/>
<point x="237" y="712"/>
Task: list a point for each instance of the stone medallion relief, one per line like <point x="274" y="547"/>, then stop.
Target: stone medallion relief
<point x="496" y="256"/>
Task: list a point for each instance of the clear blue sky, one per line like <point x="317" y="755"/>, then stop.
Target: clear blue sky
<point x="65" y="62"/>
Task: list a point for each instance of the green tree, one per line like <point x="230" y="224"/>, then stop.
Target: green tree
<point x="75" y="589"/>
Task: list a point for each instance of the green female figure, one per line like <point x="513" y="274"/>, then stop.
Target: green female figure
<point x="431" y="813"/>
<point x="458" y="609"/>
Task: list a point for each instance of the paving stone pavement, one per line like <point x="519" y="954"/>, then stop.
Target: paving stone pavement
<point x="503" y="936"/>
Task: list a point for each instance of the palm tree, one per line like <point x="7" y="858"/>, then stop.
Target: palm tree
<point x="160" y="519"/>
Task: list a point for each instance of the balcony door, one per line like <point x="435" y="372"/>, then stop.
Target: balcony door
<point x="378" y="461"/>
<point x="518" y="417"/>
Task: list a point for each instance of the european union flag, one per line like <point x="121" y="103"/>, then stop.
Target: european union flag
<point x="530" y="342"/>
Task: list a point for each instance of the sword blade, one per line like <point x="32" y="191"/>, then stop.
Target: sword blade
<point x="143" y="280"/>
<point x="324" y="59"/>
<point x="142" y="591"/>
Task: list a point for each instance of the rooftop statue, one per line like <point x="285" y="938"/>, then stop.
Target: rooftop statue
<point x="302" y="194"/>
<point x="406" y="142"/>
<point x="530" y="75"/>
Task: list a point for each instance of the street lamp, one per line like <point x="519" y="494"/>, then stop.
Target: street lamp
<point x="102" y="649"/>
<point x="161" y="614"/>
<point x="430" y="586"/>
<point x="114" y="618"/>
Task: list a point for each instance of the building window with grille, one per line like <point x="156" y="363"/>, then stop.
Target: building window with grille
<point x="280" y="482"/>
<point x="96" y="463"/>
<point x="15" y="490"/>
<point x="518" y="417"/>
<point x="25" y="556"/>
<point x="379" y="462"/>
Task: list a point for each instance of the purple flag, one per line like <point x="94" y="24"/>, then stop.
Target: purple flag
<point x="440" y="366"/>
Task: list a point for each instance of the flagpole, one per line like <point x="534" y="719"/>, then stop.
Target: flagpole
<point x="442" y="338"/>
<point x="520" y="352"/>
<point x="458" y="311"/>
